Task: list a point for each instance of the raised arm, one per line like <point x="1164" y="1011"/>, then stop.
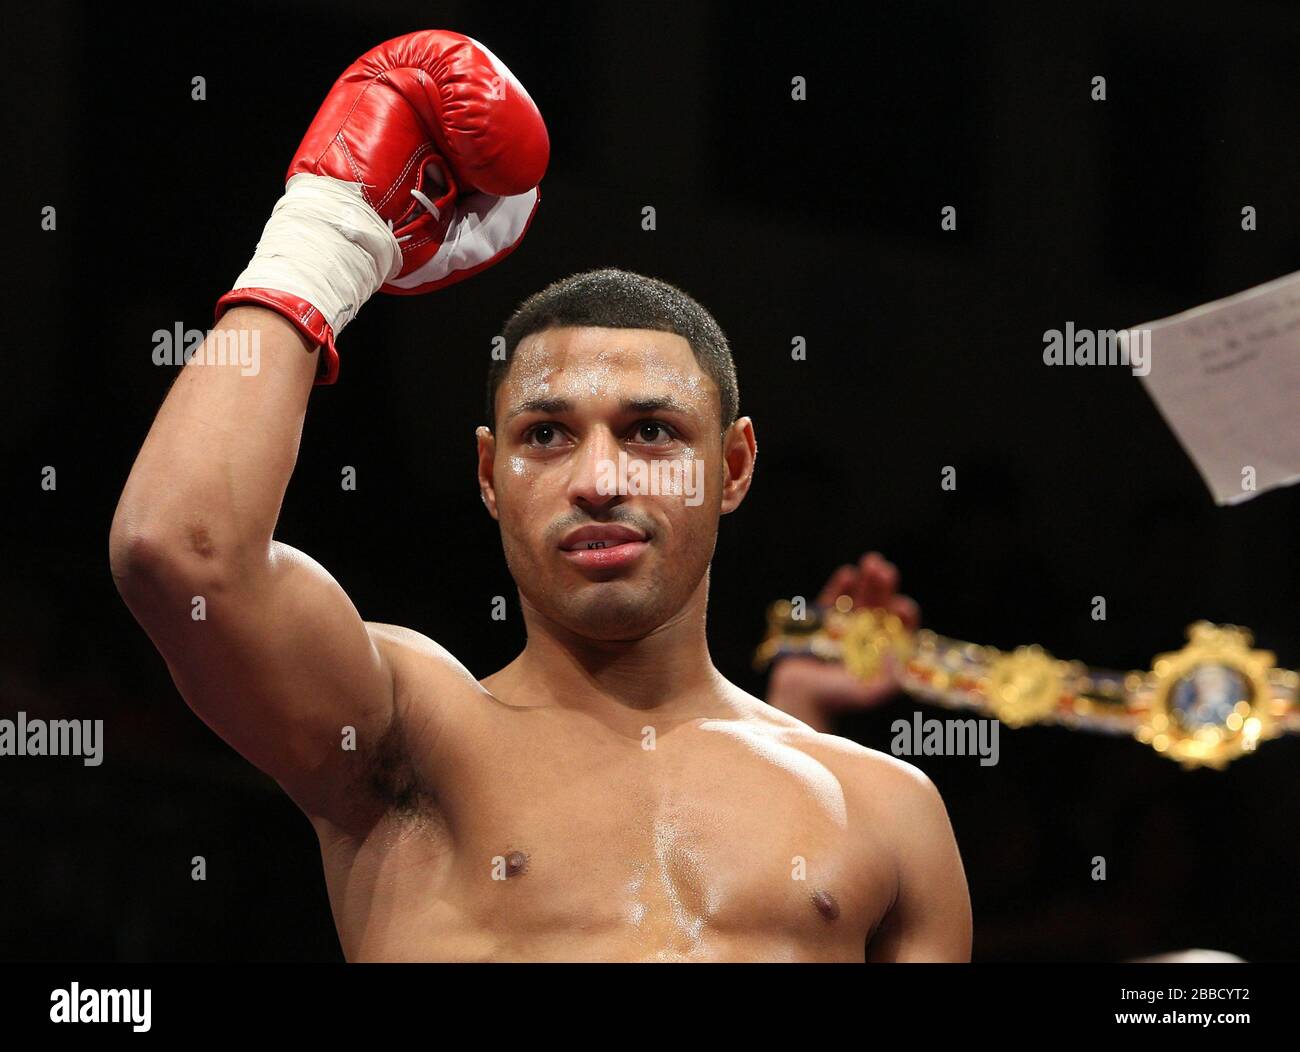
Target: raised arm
<point x="262" y="643"/>
<point x="420" y="169"/>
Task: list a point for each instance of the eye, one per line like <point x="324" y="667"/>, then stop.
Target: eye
<point x="647" y="430"/>
<point x="541" y="435"/>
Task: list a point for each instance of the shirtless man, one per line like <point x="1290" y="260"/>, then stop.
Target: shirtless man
<point x="608" y="795"/>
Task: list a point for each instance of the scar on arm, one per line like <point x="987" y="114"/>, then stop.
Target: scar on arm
<point x="200" y="541"/>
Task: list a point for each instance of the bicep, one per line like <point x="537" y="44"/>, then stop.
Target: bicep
<point x="931" y="916"/>
<point x="281" y="666"/>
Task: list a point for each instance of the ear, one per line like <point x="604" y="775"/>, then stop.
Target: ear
<point x="739" y="452"/>
<point x="487" y="451"/>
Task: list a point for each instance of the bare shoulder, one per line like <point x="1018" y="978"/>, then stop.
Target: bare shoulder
<point x="875" y="779"/>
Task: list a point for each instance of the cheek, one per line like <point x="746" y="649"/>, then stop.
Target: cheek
<point x="520" y="489"/>
<point x="686" y="490"/>
<point x="517" y="486"/>
<point x="517" y="469"/>
<point x="698" y="486"/>
<point x="693" y="512"/>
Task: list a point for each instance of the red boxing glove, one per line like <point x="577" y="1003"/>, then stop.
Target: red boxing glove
<point x="430" y="104"/>
<point x="443" y="144"/>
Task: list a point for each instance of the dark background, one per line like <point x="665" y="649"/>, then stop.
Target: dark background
<point x="818" y="219"/>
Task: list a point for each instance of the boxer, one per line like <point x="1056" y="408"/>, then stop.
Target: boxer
<point x="608" y="795"/>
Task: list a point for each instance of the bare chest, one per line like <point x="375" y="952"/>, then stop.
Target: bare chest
<point x="663" y="845"/>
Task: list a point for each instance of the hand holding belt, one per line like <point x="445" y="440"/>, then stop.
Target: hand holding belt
<point x="1203" y="705"/>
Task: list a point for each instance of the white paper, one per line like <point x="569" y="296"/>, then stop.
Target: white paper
<point x="1226" y="378"/>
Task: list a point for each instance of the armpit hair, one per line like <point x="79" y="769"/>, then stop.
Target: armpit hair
<point x="391" y="776"/>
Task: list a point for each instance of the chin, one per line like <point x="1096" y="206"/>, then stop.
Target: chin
<point x="612" y="611"/>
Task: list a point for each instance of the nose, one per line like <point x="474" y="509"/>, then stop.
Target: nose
<point x="595" y="471"/>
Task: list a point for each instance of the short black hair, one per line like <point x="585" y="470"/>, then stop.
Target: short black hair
<point x="618" y="299"/>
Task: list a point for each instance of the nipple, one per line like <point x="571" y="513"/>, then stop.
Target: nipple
<point x="826" y="904"/>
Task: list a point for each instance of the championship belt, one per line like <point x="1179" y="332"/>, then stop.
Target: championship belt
<point x="1203" y="705"/>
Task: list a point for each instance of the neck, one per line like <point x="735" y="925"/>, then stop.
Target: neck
<point x="668" y="671"/>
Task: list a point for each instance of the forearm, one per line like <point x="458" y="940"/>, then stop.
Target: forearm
<point x="208" y="483"/>
<point x="789" y="691"/>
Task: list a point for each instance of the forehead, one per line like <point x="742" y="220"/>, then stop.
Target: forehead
<point x="574" y="362"/>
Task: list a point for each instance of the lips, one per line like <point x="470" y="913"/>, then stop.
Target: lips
<point x="608" y="547"/>
<point x="596" y="538"/>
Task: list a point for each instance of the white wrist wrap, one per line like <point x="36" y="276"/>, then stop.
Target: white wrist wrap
<point x="325" y="245"/>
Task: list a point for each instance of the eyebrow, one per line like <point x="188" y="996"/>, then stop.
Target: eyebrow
<point x="643" y="404"/>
